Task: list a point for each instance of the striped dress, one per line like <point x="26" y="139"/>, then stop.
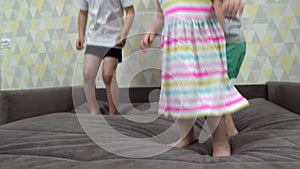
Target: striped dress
<point x="194" y="69"/>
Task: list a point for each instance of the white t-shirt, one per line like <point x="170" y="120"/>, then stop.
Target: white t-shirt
<point x="106" y="20"/>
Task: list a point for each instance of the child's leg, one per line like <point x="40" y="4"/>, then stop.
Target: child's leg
<point x="90" y="69"/>
<point x="109" y="78"/>
<point x="230" y="126"/>
<point x="221" y="146"/>
<point x="186" y="129"/>
<point x="235" y="54"/>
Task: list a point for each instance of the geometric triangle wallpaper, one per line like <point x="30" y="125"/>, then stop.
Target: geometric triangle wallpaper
<point x="43" y="33"/>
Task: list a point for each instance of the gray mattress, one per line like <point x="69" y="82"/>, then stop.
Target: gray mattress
<point x="269" y="138"/>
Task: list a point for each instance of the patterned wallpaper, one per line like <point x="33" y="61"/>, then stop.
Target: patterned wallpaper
<point x="43" y="54"/>
<point x="272" y="29"/>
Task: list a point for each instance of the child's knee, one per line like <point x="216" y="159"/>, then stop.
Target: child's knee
<point x="89" y="77"/>
<point x="107" y="77"/>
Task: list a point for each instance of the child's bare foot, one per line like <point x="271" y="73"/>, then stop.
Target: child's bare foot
<point x="221" y="149"/>
<point x="182" y="143"/>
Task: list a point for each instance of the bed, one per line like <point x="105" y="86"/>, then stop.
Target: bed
<point x="50" y="128"/>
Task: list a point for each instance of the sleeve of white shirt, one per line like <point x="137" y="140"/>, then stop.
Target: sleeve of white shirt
<point x="127" y="3"/>
<point x="82" y="4"/>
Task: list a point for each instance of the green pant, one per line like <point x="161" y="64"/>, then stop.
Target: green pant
<point x="235" y="56"/>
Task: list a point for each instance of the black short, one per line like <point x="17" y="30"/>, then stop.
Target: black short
<point x="102" y="52"/>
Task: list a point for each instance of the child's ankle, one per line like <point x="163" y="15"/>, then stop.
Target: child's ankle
<point x="113" y="113"/>
<point x="94" y="113"/>
<point x="221" y="149"/>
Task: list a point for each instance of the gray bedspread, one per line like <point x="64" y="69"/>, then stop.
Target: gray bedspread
<point x="269" y="138"/>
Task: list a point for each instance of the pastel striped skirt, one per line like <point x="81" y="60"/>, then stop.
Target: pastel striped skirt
<point x="194" y="71"/>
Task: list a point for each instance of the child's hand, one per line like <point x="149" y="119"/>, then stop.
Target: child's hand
<point x="80" y="43"/>
<point x="147" y="40"/>
<point x="233" y="7"/>
<point x="121" y="40"/>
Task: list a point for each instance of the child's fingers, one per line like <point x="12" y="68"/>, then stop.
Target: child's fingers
<point x="233" y="7"/>
<point x="241" y="10"/>
<point x="151" y="38"/>
<point x="121" y="43"/>
<point x="118" y="39"/>
<point x="79" y="45"/>
<point x="147" y="40"/>
<point x="144" y="41"/>
<point x="225" y="6"/>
